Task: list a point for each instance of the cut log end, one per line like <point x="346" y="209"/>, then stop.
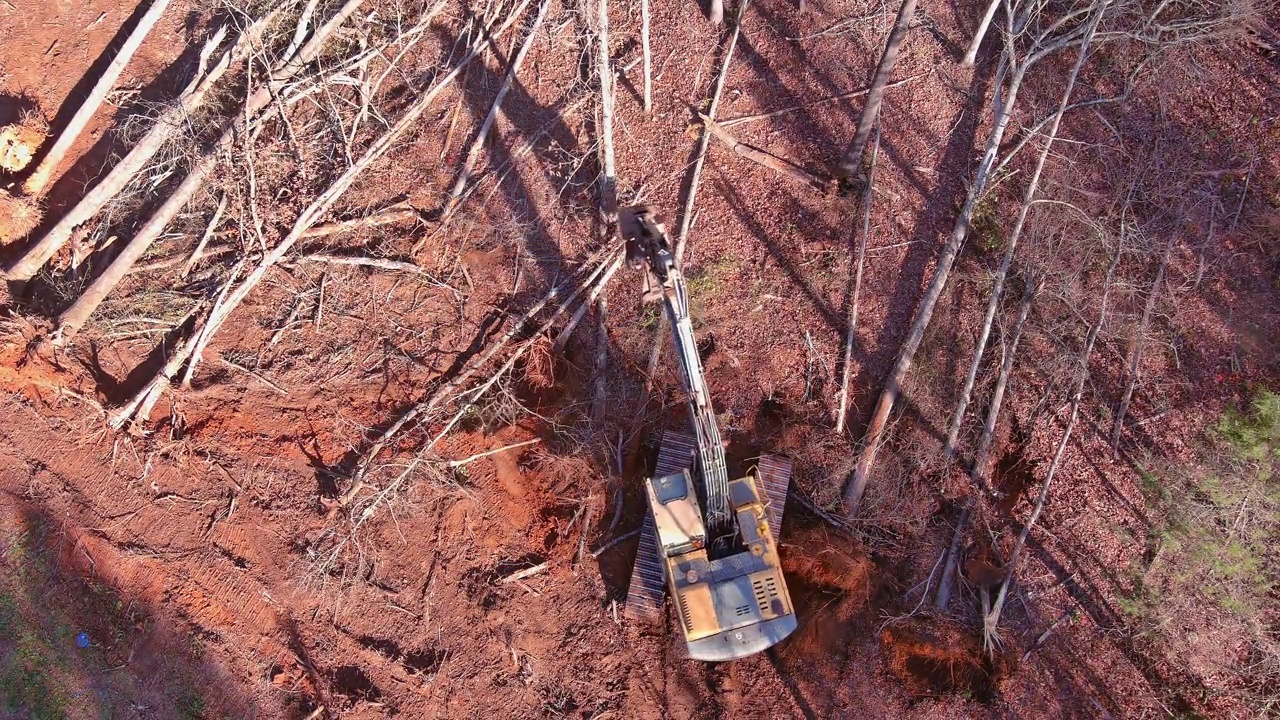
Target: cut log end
<point x="20" y="141"/>
<point x="18" y="217"/>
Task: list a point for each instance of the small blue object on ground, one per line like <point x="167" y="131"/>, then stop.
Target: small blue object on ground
<point x="82" y="640"/>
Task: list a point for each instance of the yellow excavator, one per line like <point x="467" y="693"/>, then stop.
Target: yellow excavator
<point x="720" y="566"/>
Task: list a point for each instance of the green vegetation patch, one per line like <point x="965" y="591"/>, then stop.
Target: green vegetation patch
<point x="33" y="653"/>
<point x="1214" y="556"/>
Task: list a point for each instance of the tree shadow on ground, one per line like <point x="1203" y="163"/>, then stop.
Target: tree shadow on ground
<point x="74" y="645"/>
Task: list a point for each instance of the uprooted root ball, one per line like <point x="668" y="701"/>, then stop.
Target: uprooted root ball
<point x="18" y="216"/>
<point x="933" y="659"/>
<point x="19" y="141"/>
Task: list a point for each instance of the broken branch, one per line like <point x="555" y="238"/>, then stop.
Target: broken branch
<point x="472" y="458"/>
<point x="762" y="157"/>
<point x="704" y="141"/>
<point x="857" y="287"/>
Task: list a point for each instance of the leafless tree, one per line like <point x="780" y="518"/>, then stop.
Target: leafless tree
<point x="39" y="178"/>
<point x="991" y="619"/>
<point x="971" y="54"/>
<point x="997" y="288"/>
<point x="1026" y="45"/>
<point x="851" y="163"/>
<point x="1137" y="342"/>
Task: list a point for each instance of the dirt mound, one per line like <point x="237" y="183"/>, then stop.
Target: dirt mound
<point x="827" y="563"/>
<point x="932" y="660"/>
<point x="830" y="584"/>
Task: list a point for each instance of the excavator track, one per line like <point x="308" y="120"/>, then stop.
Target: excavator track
<point x="645" y="593"/>
<point x="774" y="473"/>
<point x="676" y="453"/>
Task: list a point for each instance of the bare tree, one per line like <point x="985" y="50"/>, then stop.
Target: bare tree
<point x="74" y="317"/>
<point x="1028" y="198"/>
<point x="851" y="163"/>
<point x="478" y="142"/>
<point x="165" y="126"/>
<point x="1015" y="64"/>
<point x="857" y="288"/>
<point x="1137" y="342"/>
<point x="971" y="54"/>
<point x="977" y="472"/>
<point x="981" y="457"/>
<point x="991" y="619"/>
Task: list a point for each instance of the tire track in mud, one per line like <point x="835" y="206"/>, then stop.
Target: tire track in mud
<point x="207" y="590"/>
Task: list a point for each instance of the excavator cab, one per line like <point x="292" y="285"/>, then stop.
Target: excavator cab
<point x="719" y="564"/>
<point x="731" y="606"/>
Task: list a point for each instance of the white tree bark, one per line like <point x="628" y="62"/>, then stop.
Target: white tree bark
<point x="123" y="172"/>
<point x="74" y="318"/>
<point x="978" y="472"/>
<point x="1028" y="198"/>
<point x="972" y="53"/>
<point x="645" y="54"/>
<point x="991" y="620"/>
<point x="609" y="180"/>
<point x="704" y="141"/>
<point x="843" y="410"/>
<point x="851" y="163"/>
<point x="1136" y="346"/>
<point x="477" y="144"/>
<point x="857" y="482"/>
<point x="35" y="183"/>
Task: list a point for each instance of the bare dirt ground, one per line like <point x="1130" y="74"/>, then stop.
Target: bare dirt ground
<point x="207" y="561"/>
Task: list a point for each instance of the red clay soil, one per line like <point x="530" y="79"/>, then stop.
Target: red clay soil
<point x="200" y="557"/>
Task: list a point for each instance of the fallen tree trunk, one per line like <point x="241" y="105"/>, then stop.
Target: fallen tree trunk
<point x="645" y="55"/>
<point x="427" y="404"/>
<point x="779" y="165"/>
<point x="1042" y="48"/>
<point x="980" y="458"/>
<point x="124" y="171"/>
<point x="851" y="163"/>
<point x="35" y="183"/>
<point x="857" y="482"/>
<point x="943" y="597"/>
<point x="477" y="144"/>
<point x="847" y="370"/>
<point x="609" y="173"/>
<point x="971" y="54"/>
<point x="322" y="204"/>
<point x="1028" y="199"/>
<point x="976" y="474"/>
<point x="80" y="311"/>
<point x="74" y="317"/>
<point x="704" y="142"/>
<point x="991" y="620"/>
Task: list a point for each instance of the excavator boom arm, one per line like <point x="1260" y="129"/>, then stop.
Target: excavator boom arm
<point x="648" y="245"/>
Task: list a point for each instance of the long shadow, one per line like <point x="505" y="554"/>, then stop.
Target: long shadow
<point x="1163" y="679"/>
<point x="944" y="199"/>
<point x="74" y="645"/>
<point x="784" y="262"/>
<point x="788" y="679"/>
<point x="803" y="121"/>
<point x="82" y="173"/>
